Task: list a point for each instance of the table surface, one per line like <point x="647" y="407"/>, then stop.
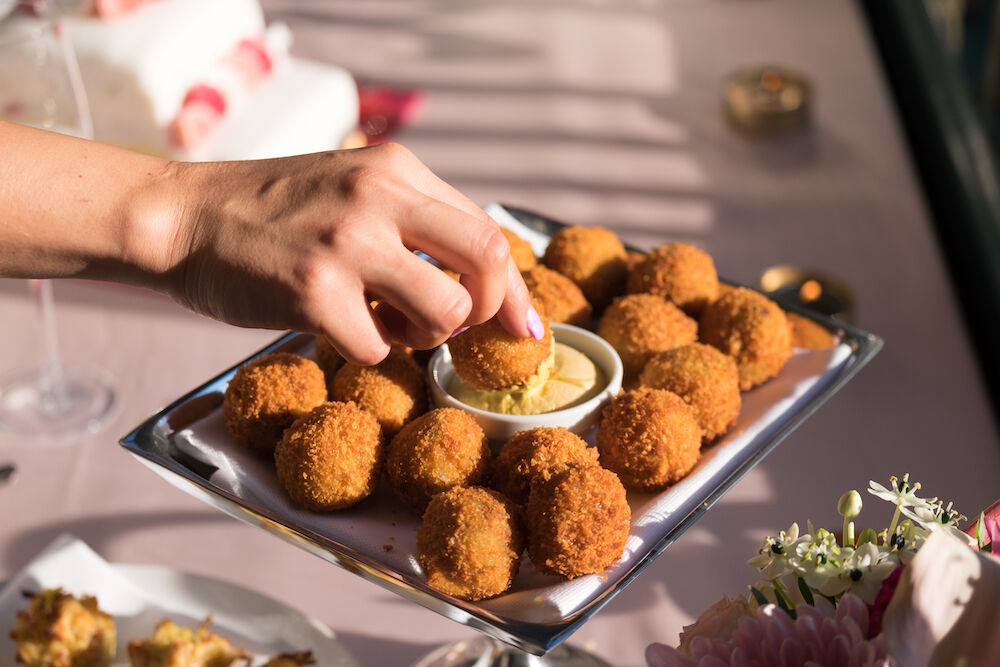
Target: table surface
<point x="596" y="113"/>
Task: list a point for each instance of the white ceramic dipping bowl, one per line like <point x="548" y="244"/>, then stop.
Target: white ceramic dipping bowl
<point x="579" y="418"/>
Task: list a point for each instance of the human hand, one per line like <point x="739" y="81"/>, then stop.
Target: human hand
<point x="307" y="242"/>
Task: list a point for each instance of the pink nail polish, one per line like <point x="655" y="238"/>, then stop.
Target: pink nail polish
<point x="458" y="331"/>
<point x="535" y="325"/>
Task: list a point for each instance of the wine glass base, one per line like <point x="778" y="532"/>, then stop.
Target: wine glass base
<point x="487" y="652"/>
<point x="82" y="404"/>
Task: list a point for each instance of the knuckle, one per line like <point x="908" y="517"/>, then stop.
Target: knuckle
<point x="361" y="181"/>
<point x="365" y="353"/>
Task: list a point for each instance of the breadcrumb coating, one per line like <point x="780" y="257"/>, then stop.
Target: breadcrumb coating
<point x="331" y="458"/>
<point x="807" y="334"/>
<point x="650" y="438"/>
<point x="520" y="250"/>
<point x="559" y="296"/>
<point x="488" y="357"/>
<point x="753" y="330"/>
<point x="438" y="450"/>
<point x="578" y="521"/>
<point x="679" y="272"/>
<point x="708" y="380"/>
<point x="266" y="395"/>
<point x="469" y="543"/>
<point x="534" y="455"/>
<point x="593" y="258"/>
<point x="640" y="325"/>
<point x="327" y="358"/>
<point x="60" y="630"/>
<point x="394" y="390"/>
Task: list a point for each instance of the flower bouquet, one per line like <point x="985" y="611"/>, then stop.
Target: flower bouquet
<point x="920" y="592"/>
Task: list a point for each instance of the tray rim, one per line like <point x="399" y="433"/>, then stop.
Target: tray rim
<point x="147" y="441"/>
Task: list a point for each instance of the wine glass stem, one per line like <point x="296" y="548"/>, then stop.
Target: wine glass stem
<point x="50" y="374"/>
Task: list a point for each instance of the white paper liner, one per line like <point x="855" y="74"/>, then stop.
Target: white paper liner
<point x="385" y="531"/>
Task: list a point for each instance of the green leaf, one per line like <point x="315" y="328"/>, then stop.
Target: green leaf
<point x="981" y="533"/>
<point x="758" y="596"/>
<point x="783" y="603"/>
<point x="868" y="535"/>
<point x="807" y="593"/>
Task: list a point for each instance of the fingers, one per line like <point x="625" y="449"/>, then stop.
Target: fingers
<point x="351" y="327"/>
<point x="516" y="313"/>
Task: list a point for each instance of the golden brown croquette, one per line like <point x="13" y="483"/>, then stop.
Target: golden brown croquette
<point x="577" y="521"/>
<point x="679" y="272"/>
<point x="394" y="390"/>
<point x="328" y="359"/>
<point x="753" y="330"/>
<point x="593" y="258"/>
<point x="807" y="334"/>
<point x="650" y="438"/>
<point x="632" y="259"/>
<point x="331" y="458"/>
<point x="534" y="455"/>
<point x="520" y="250"/>
<point x="61" y="630"/>
<point x="469" y="543"/>
<point x="267" y="394"/>
<point x="705" y="378"/>
<point x="436" y="451"/>
<point x="487" y="356"/>
<point x="558" y="296"/>
<point x="640" y="325"/>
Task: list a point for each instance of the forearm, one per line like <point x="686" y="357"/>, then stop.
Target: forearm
<point x="70" y="207"/>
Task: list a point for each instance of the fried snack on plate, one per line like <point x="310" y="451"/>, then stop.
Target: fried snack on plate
<point x="592" y="257"/>
<point x="469" y="543"/>
<point x="487" y="356"/>
<point x="559" y="296"/>
<point x="679" y="272"/>
<point x="175" y="646"/>
<point x="650" y="438"/>
<point x="640" y="325"/>
<point x="536" y="454"/>
<point x="577" y="521"/>
<point x="753" y="330"/>
<point x="708" y="380"/>
<point x="60" y="630"/>
<point x="331" y="458"/>
<point x="520" y="250"/>
<point x="436" y="451"/>
<point x="807" y="334"/>
<point x="291" y="660"/>
<point x="327" y="358"/>
<point x="266" y="395"/>
<point x="632" y="259"/>
<point x="394" y="390"/>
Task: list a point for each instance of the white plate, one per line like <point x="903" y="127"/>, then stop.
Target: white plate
<point x="139" y="596"/>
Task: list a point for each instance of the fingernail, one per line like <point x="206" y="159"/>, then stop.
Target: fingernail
<point x="458" y="331"/>
<point x="535" y="326"/>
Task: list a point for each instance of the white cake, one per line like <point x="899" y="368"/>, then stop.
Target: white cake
<point x="204" y="80"/>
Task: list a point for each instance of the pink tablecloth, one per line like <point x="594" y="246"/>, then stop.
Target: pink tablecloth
<point x="598" y="113"/>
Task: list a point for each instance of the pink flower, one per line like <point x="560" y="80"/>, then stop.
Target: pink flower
<point x="991" y="517"/>
<point x="885" y="593"/>
<point x="820" y="634"/>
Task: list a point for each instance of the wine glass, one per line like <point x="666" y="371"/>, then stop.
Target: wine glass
<point x="40" y="85"/>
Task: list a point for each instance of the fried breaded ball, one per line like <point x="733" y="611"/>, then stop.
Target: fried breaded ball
<point x="487" y="357"/>
<point x="175" y="646"/>
<point x="640" y="325"/>
<point x="469" y="543"/>
<point x="520" y="250"/>
<point x="680" y="272"/>
<point x="60" y="630"/>
<point x="577" y="521"/>
<point x="559" y="296"/>
<point x="331" y="458"/>
<point x="632" y="259"/>
<point x="593" y="258"/>
<point x="394" y="390"/>
<point x="752" y="329"/>
<point x="649" y="437"/>
<point x="266" y="395"/>
<point x="291" y="660"/>
<point x="327" y="358"/>
<point x="807" y="334"/>
<point x="536" y="454"/>
<point x="705" y="378"/>
<point x="436" y="451"/>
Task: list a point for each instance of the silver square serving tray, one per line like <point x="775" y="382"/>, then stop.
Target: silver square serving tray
<point x="152" y="442"/>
